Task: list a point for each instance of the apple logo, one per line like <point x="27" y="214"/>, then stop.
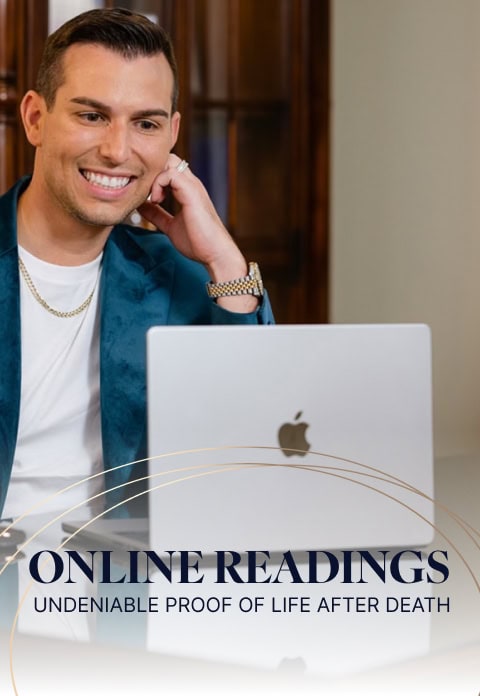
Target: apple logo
<point x="291" y="437"/>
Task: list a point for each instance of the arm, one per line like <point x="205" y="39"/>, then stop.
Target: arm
<point x="197" y="232"/>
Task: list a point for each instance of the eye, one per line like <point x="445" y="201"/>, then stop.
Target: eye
<point x="146" y="125"/>
<point x="91" y="116"/>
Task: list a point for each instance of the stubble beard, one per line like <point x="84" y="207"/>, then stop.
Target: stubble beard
<point x="109" y="217"/>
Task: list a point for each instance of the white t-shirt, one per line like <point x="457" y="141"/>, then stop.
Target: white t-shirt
<point x="59" y="436"/>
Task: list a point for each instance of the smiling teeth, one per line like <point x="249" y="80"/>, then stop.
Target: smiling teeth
<point x="110" y="182"/>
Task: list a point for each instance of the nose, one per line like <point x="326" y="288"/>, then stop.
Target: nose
<point x="115" y="145"/>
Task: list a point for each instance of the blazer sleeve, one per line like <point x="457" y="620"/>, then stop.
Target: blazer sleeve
<point x="190" y="303"/>
<point x="262" y="315"/>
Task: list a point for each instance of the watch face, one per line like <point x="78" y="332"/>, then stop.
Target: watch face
<point x="255" y="274"/>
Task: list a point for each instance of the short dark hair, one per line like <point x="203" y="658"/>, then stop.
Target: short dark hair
<point x="128" y="33"/>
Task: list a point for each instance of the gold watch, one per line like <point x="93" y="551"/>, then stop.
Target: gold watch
<point x="250" y="284"/>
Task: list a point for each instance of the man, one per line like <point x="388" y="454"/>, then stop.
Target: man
<point x="78" y="289"/>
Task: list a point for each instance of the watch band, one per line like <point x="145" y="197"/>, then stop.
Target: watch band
<point x="250" y="284"/>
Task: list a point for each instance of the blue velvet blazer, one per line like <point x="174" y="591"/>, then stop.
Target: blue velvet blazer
<point x="145" y="282"/>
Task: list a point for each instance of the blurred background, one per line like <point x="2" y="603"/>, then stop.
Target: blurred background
<point x="340" y="141"/>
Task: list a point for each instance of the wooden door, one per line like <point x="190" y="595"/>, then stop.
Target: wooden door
<point x="23" y="29"/>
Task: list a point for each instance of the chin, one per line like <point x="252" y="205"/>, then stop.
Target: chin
<point x="101" y="218"/>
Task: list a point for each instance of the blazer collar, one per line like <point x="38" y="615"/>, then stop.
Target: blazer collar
<point x="10" y="364"/>
<point x="8" y="215"/>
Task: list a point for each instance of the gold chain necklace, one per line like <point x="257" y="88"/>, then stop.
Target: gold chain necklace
<point x="44" y="303"/>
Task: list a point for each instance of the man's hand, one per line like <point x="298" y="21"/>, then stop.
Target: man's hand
<point x="196" y="231"/>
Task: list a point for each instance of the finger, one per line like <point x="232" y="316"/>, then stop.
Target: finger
<point x="176" y="171"/>
<point x="162" y="180"/>
<point x="158" y="191"/>
<point x="173" y="161"/>
<point x="156" y="215"/>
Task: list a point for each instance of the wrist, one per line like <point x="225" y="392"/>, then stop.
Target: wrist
<point x="249" y="284"/>
<point x="227" y="267"/>
<point x="222" y="274"/>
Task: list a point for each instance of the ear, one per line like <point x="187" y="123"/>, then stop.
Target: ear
<point x="175" y="127"/>
<point x="32" y="110"/>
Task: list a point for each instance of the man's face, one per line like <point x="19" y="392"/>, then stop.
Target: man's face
<point x="107" y="135"/>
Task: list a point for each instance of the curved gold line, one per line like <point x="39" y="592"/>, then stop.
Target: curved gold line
<point x="462" y="523"/>
<point x="313" y="468"/>
<point x="425" y="519"/>
<point x="239" y="466"/>
<point x="452" y="514"/>
<point x="455" y="517"/>
<point x="31" y="583"/>
<point x="229" y="467"/>
<point x="181" y="452"/>
<point x="226" y="467"/>
<point x="20" y="549"/>
<point x="391" y="479"/>
<point x="71" y="486"/>
<point x="364" y="485"/>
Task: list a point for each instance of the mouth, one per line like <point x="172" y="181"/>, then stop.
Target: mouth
<point x="109" y="183"/>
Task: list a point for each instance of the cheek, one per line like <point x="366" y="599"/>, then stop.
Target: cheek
<point x="68" y="141"/>
<point x="155" y="153"/>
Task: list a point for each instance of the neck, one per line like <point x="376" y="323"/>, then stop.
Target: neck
<point x="53" y="235"/>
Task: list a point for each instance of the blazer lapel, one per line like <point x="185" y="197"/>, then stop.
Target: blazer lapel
<point x="10" y="362"/>
<point x="134" y="295"/>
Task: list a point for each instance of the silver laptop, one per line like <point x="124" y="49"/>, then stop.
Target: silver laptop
<point x="286" y="438"/>
<point x="290" y="437"/>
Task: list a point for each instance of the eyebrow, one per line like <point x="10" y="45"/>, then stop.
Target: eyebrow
<point x="144" y="113"/>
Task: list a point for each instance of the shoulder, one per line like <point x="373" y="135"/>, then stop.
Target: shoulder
<point x="8" y="215"/>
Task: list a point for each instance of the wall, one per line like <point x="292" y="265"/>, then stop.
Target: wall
<point x="405" y="211"/>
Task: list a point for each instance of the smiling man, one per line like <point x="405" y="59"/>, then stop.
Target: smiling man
<point x="78" y="288"/>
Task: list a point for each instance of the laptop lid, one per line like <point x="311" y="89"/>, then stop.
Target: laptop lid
<point x="290" y="437"/>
